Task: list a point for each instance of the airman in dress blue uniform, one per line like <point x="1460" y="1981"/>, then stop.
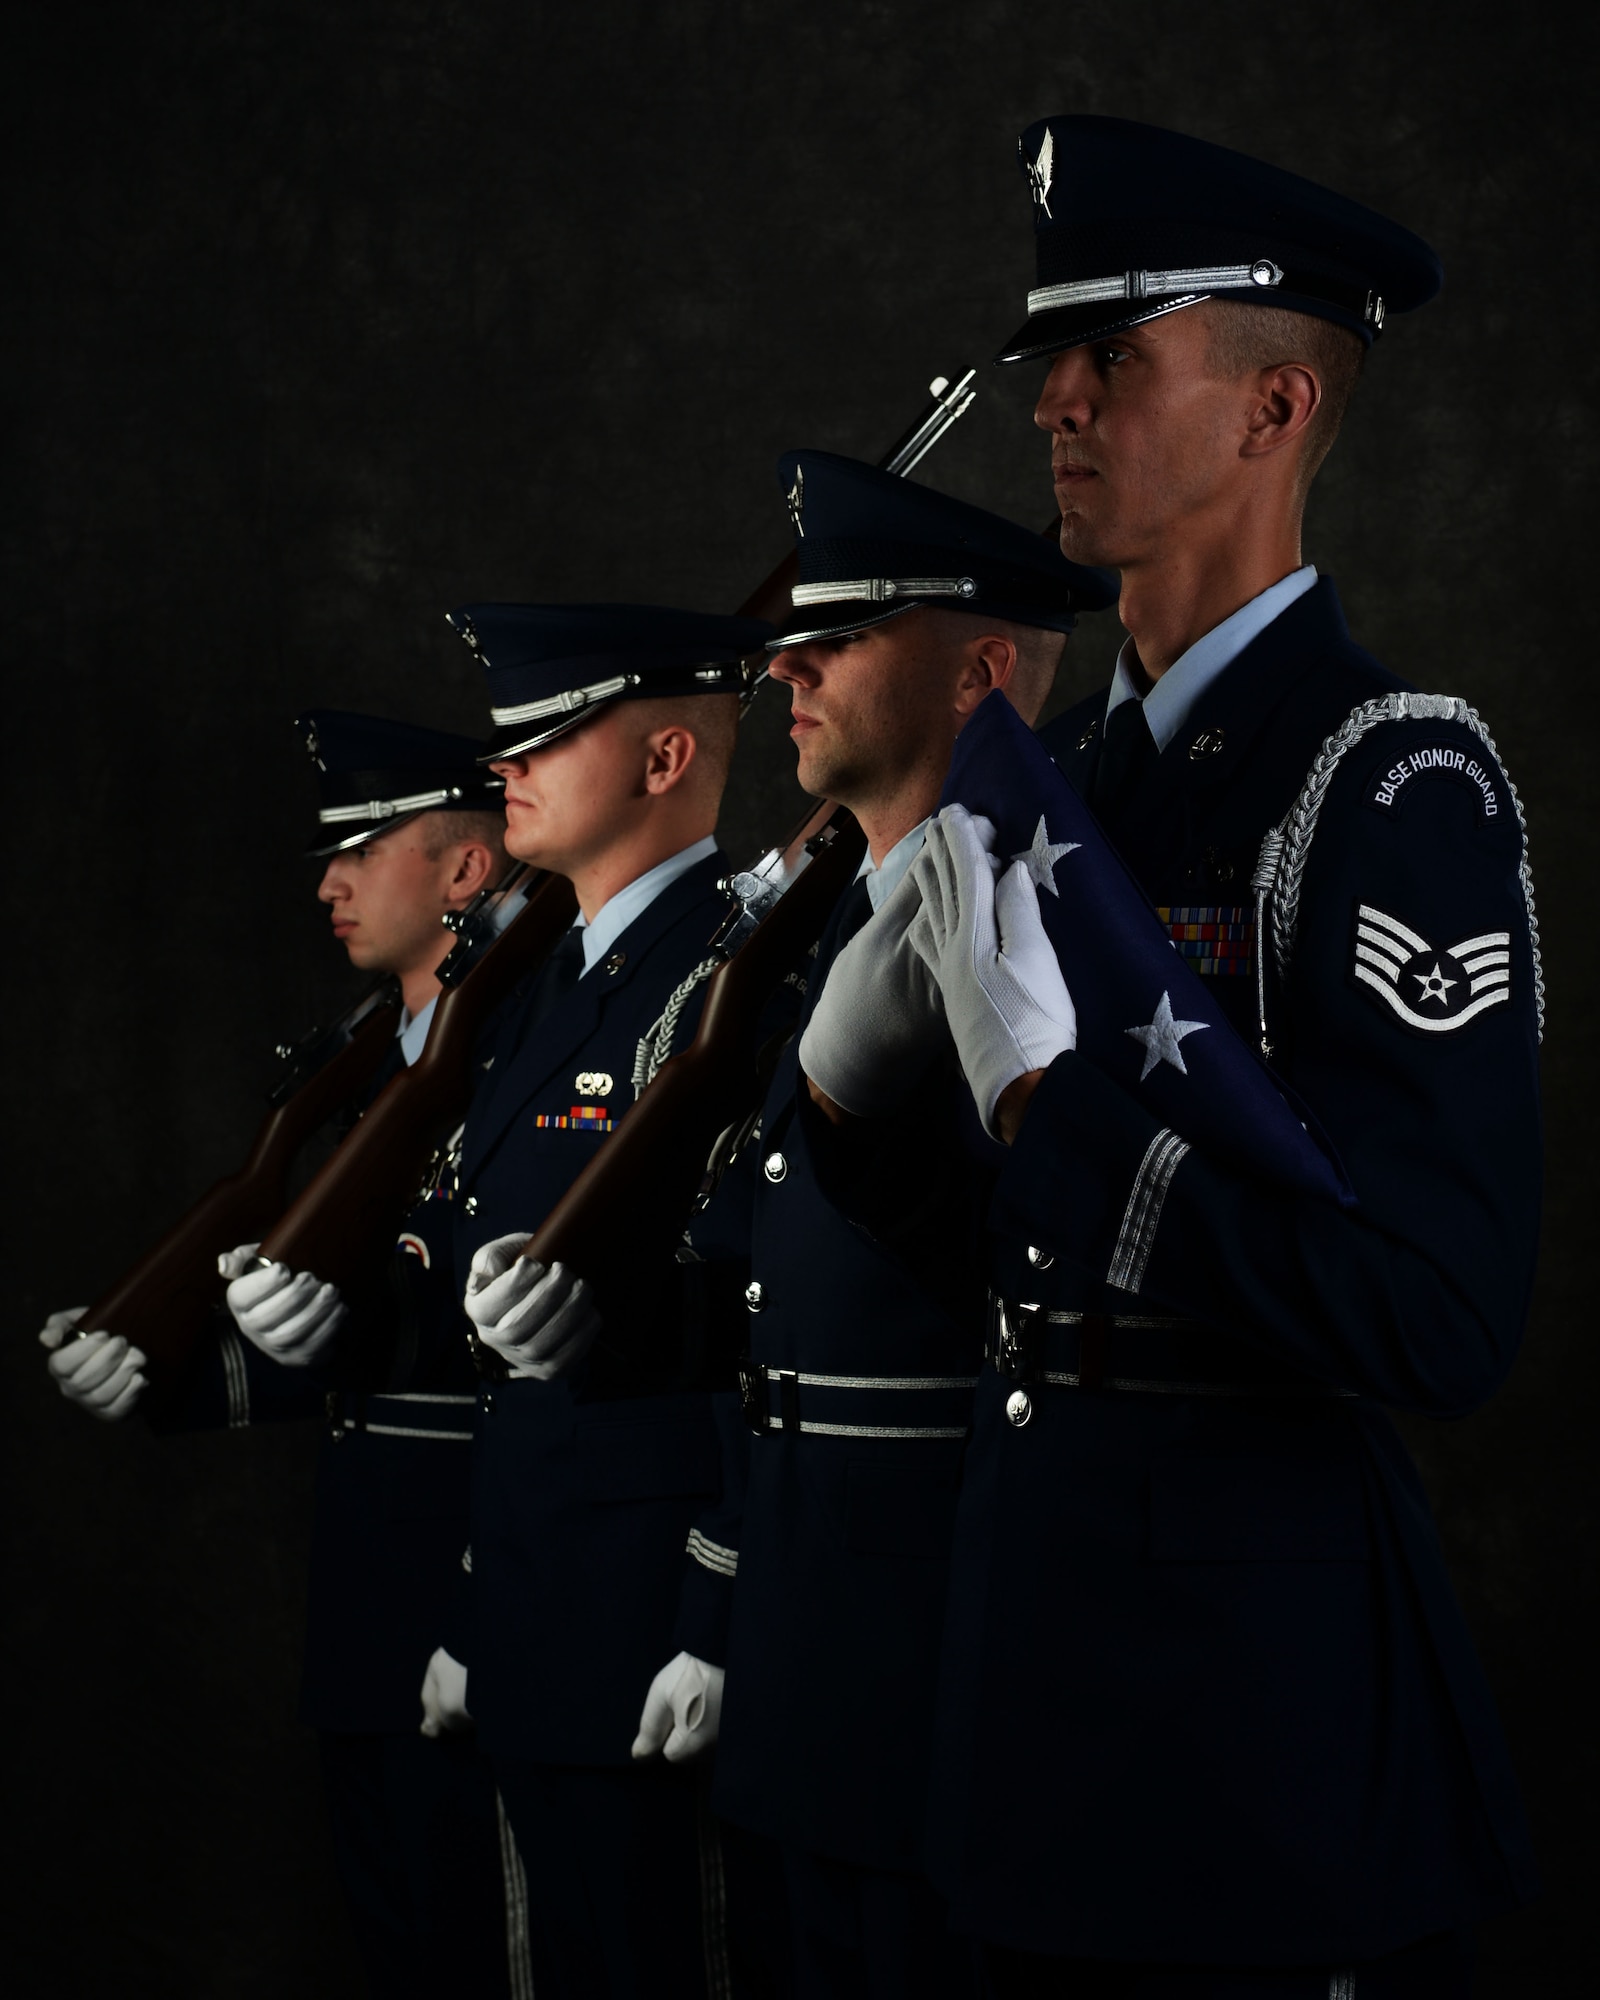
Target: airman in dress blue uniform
<point x="607" y="1465"/>
<point x="409" y="827"/>
<point x="1210" y="1720"/>
<point x="865" y="1302"/>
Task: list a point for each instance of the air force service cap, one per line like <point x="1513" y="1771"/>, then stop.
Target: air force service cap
<point x="872" y="545"/>
<point x="1131" y="222"/>
<point x="552" y="666"/>
<point x="373" y="775"/>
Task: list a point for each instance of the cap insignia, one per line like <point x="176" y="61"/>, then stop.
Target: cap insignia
<point x="313" y="747"/>
<point x="468" y="631"/>
<point x="797" y="499"/>
<point x="1042" y="170"/>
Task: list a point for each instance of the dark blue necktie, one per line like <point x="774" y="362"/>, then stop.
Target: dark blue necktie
<point x="556" y="978"/>
<point x="1126" y="753"/>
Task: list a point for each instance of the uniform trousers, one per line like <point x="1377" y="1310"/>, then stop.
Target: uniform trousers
<point x="872" y="1934"/>
<point x="432" y="1889"/>
<point x="1437" y="1968"/>
<point x="624" y="1890"/>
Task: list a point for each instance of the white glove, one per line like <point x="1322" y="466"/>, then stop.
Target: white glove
<point x="100" y="1372"/>
<point x="681" y="1711"/>
<point x="541" y="1321"/>
<point x="287" y="1314"/>
<point x="879" y="1018"/>
<point x="1007" y="1004"/>
<point x="444" y="1696"/>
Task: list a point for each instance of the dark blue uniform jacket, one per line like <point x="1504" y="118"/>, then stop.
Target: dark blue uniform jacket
<point x="391" y="1517"/>
<point x="1207" y="1695"/>
<point x="869" y="1265"/>
<point x="604" y="1518"/>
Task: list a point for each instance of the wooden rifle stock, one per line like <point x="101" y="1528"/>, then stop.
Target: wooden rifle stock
<point x="162" y="1304"/>
<point x="351" y="1209"/>
<point x="639" y="1190"/>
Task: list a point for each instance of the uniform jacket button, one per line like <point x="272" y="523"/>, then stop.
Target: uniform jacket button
<point x="775" y="1166"/>
<point x="1041" y="1260"/>
<point x="1019" y="1407"/>
<point x="754" y="1297"/>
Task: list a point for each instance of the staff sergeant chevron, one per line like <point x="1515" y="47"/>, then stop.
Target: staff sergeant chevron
<point x="1435" y="990"/>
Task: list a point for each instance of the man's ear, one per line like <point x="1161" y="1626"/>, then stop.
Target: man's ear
<point x="474" y="864"/>
<point x="669" y="756"/>
<point x="986" y="664"/>
<point x="1287" y="398"/>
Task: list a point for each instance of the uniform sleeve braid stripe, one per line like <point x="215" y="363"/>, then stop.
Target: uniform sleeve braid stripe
<point x="236" y="1379"/>
<point x="1281" y="866"/>
<point x="1142" y="1218"/>
<point x="712" y="1555"/>
<point x="519" y="1938"/>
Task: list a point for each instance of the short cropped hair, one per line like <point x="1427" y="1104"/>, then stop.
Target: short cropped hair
<point x="711" y="719"/>
<point x="442" y="829"/>
<point x="1039" y="654"/>
<point x="1247" y="338"/>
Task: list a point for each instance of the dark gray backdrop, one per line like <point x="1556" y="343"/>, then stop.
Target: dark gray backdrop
<point x="320" y="319"/>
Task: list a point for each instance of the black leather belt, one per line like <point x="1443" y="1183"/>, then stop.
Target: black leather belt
<point x="854" y="1406"/>
<point x="440" y="1419"/>
<point x="1131" y="1353"/>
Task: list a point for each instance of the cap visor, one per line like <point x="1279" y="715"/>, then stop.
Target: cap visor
<point x="806" y="629"/>
<point x="361" y="836"/>
<point x="1055" y="331"/>
<point x="514" y="742"/>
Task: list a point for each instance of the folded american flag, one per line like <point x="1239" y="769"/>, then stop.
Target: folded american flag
<point x="1144" y="1017"/>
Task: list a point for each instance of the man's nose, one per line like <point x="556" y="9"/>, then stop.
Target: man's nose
<point x="1064" y="400"/>
<point x="510" y="767"/>
<point x="794" y="666"/>
<point x="333" y="885"/>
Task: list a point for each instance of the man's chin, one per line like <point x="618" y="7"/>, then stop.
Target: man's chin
<point x="1085" y="541"/>
<point x="527" y="850"/>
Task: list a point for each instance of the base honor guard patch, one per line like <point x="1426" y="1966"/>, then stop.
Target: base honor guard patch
<point x="580" y="1118"/>
<point x="1215" y="939"/>
<point x="1430" y="987"/>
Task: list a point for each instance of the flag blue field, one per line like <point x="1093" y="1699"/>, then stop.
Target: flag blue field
<point x="1144" y="1017"/>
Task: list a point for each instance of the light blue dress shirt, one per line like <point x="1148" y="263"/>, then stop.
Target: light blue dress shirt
<point x="883" y="881"/>
<point x="614" y="917"/>
<point x="1168" y="705"/>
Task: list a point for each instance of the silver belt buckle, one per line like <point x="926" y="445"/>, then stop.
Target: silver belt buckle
<point x="1013" y="1347"/>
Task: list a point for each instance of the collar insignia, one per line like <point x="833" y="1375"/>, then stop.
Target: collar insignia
<point x="797" y="499"/>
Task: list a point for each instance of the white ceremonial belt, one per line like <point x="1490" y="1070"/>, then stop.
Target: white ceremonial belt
<point x="854" y="1406"/>
<point x="1155" y="284"/>
<point x="388" y="808"/>
<point x="403" y="1414"/>
<point x="881" y="589"/>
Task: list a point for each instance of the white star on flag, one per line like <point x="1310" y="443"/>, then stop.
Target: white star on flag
<point x="1162" y="1037"/>
<point x="1042" y="857"/>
